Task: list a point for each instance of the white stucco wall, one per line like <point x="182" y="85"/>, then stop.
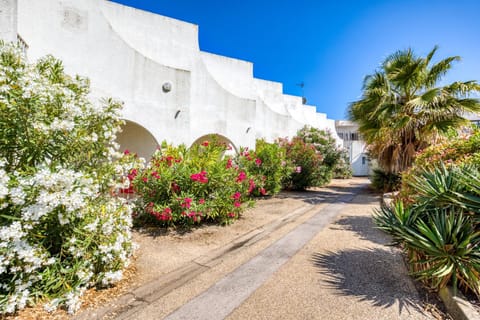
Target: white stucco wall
<point x="356" y="149"/>
<point x="8" y="20"/>
<point x="130" y="54"/>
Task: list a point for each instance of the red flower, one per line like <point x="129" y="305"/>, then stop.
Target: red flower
<point x="205" y="143"/>
<point x="262" y="191"/>
<point x="175" y="187"/>
<point x="166" y="214"/>
<point x="186" y="203"/>
<point x="231" y="215"/>
<point x="251" y="185"/>
<point x="236" y="195"/>
<point x="126" y="152"/>
<point x="241" y="176"/>
<point x="199" y="177"/>
<point x="237" y="204"/>
<point x="201" y="201"/>
<point x="229" y="164"/>
<point x="145" y="179"/>
<point x="133" y="173"/>
<point x="155" y="174"/>
<point x="258" y="161"/>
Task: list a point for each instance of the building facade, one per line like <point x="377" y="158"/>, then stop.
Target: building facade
<point x="355" y="146"/>
<point x="171" y="89"/>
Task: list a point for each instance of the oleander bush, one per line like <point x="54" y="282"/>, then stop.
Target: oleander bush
<point x="61" y="229"/>
<point x="266" y="165"/>
<point x="186" y="186"/>
<point x="306" y="163"/>
<point x="332" y="158"/>
<point x="343" y="168"/>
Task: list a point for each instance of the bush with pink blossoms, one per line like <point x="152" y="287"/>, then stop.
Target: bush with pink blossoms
<point x="186" y="186"/>
<point x="266" y="166"/>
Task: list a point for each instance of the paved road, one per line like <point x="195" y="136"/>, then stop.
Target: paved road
<point x="332" y="264"/>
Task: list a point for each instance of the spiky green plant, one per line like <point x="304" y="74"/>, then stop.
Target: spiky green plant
<point x="440" y="229"/>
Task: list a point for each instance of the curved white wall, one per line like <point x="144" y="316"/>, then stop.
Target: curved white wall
<point x="130" y="54"/>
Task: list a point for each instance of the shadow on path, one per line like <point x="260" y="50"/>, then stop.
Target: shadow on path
<point x="326" y="195"/>
<point x="374" y="275"/>
<point x="364" y="227"/>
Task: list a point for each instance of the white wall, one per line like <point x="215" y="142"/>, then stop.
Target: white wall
<point x="8" y="20"/>
<point x="130" y="54"/>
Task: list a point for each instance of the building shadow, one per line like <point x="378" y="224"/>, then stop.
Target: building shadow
<point x="375" y="275"/>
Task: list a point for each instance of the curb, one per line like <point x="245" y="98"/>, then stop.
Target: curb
<point x="458" y="307"/>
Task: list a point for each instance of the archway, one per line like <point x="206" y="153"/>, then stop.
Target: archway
<point x="222" y="139"/>
<point x="137" y="139"/>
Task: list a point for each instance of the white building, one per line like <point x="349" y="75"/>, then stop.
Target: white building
<point x="355" y="146"/>
<point x="172" y="90"/>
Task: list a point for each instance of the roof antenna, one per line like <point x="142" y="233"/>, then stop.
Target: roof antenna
<point x="302" y="85"/>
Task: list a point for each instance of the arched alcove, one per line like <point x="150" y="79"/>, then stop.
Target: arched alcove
<point x="137" y="139"/>
<point x="222" y="139"/>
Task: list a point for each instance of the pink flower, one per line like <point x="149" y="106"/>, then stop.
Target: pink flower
<point x="298" y="169"/>
<point x="236" y="195"/>
<point x="201" y="201"/>
<point x="262" y="191"/>
<point x="251" y="185"/>
<point x="166" y="214"/>
<point x="241" y="176"/>
<point x="229" y="164"/>
<point x="145" y="179"/>
<point x="237" y="204"/>
<point x="258" y="161"/>
<point x="231" y="215"/>
<point x="175" y="187"/>
<point x="199" y="177"/>
<point x="133" y="173"/>
<point x="126" y="152"/>
<point x="186" y="203"/>
<point x="155" y="174"/>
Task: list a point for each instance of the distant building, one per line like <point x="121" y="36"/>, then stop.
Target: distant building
<point x="355" y="146"/>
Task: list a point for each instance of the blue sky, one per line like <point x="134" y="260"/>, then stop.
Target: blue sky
<point x="329" y="45"/>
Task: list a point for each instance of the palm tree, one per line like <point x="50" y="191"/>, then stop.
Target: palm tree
<point x="403" y="110"/>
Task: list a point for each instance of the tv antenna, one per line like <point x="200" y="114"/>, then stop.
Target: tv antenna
<point x="302" y="85"/>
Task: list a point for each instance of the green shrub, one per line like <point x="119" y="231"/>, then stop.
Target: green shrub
<point x="343" y="169"/>
<point x="60" y="229"/>
<point x="182" y="187"/>
<point x="306" y="162"/>
<point x="456" y="151"/>
<point x="331" y="156"/>
<point x="266" y="165"/>
<point x="385" y="181"/>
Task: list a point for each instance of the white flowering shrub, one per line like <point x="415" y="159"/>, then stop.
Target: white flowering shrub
<point x="62" y="230"/>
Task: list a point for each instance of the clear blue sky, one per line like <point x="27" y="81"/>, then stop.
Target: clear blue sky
<point x="329" y="45"/>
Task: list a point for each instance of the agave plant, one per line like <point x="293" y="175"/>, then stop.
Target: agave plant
<point x="393" y="219"/>
<point x="444" y="247"/>
<point x="448" y="186"/>
<point x="440" y="230"/>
